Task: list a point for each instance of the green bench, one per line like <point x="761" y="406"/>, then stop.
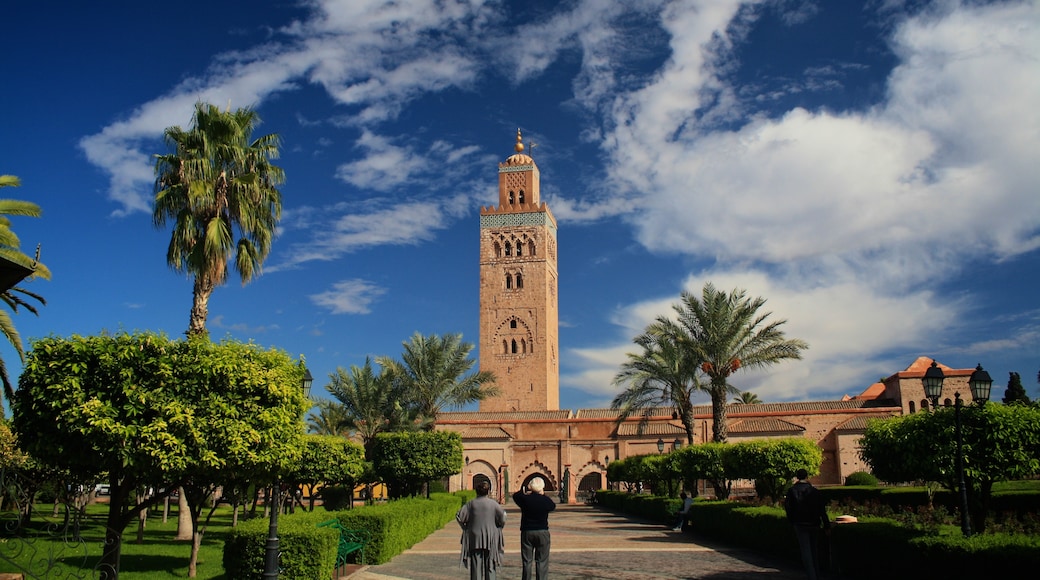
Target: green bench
<point x="350" y="541"/>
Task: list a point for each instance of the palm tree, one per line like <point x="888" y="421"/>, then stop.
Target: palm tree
<point x="748" y="398"/>
<point x="12" y="295"/>
<point x="329" y="418"/>
<point x="725" y="332"/>
<point x="368" y="403"/>
<point x="217" y="184"/>
<point x="663" y="375"/>
<point x="433" y="371"/>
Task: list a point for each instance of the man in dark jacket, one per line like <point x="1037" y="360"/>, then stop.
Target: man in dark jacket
<point x="807" y="512"/>
<point x="534" y="528"/>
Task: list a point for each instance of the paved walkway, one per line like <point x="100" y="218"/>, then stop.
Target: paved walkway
<point x="589" y="543"/>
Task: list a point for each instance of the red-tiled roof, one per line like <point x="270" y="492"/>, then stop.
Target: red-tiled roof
<point x="464" y="416"/>
<point x="488" y="432"/>
<point x="764" y="425"/>
<point x="858" y="424"/>
<point x="650" y="429"/>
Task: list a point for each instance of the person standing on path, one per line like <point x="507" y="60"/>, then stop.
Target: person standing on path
<point x="483" y="545"/>
<point x="534" y="529"/>
<point x="683" y="513"/>
<point x="806" y="511"/>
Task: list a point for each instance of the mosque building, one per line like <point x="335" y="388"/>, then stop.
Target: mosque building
<point x="522" y="433"/>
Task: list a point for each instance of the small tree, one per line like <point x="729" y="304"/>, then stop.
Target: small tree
<point x="405" y="461"/>
<point x="705" y="462"/>
<point x="328" y="460"/>
<point x="1000" y="443"/>
<point x="145" y="410"/>
<point x="771" y="463"/>
<point x="1015" y="392"/>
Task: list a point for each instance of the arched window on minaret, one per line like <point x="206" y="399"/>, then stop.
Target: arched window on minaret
<point x="913" y="407"/>
<point x="505" y="347"/>
<point x="498" y="250"/>
<point x="509" y="282"/>
<point x="510" y="198"/>
<point x="519" y="281"/>
<point x="509" y="249"/>
<point x="523" y="346"/>
<point x="521" y="197"/>
<point x="514" y="346"/>
<point x="530" y="247"/>
<point x="519" y="249"/>
<point x="512" y="324"/>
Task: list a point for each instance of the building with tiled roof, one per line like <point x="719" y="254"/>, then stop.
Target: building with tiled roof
<point x="521" y="433"/>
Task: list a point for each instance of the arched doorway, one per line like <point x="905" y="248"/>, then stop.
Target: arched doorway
<point x="548" y="482"/>
<point x="588" y="485"/>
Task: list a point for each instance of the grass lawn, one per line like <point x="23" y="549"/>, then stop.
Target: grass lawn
<point x="158" y="557"/>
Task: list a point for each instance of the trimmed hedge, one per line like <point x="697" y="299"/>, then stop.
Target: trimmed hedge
<point x="309" y="552"/>
<point x="869" y="549"/>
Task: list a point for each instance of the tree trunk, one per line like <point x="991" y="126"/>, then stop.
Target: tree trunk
<point x="719" y="430"/>
<point x="200" y="305"/>
<point x="142" y="517"/>
<point x="184" y="529"/>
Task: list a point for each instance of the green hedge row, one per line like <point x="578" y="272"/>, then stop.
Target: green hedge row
<point x="898" y="498"/>
<point x="309" y="552"/>
<point x="871" y="548"/>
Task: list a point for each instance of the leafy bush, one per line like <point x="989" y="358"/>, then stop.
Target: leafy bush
<point x="861" y="478"/>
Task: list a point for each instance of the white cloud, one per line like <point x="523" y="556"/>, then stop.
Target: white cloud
<point x="373" y="55"/>
<point x="349" y="297"/>
<point x="873" y="207"/>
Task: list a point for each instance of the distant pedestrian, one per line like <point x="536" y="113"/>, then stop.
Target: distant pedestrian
<point x="483" y="545"/>
<point x="683" y="513"/>
<point x="534" y="529"/>
<point x="806" y="511"/>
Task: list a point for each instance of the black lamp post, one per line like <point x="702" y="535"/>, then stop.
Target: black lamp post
<point x="660" y="445"/>
<point x="980" y="384"/>
<point x="676" y="445"/>
<point x="271" y="551"/>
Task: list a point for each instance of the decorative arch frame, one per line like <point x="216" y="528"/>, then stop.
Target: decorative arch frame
<point x="537" y="468"/>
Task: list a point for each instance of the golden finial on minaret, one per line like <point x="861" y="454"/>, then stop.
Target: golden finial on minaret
<point x="519" y="142"/>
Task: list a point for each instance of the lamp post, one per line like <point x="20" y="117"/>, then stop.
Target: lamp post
<point x="676" y="445"/>
<point x="660" y="445"/>
<point x="271" y="551"/>
<point x="980" y="384"/>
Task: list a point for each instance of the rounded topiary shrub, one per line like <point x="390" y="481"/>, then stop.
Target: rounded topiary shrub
<point x="861" y="478"/>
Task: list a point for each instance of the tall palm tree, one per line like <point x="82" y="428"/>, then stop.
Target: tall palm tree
<point x="435" y="373"/>
<point x="369" y="403"/>
<point x="724" y="332"/>
<point x="663" y="375"/>
<point x="748" y="398"/>
<point x="217" y="184"/>
<point x="328" y="418"/>
<point x="14" y="296"/>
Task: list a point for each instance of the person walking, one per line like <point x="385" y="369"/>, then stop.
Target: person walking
<point x="684" y="512"/>
<point x="534" y="529"/>
<point x="807" y="513"/>
<point x="483" y="545"/>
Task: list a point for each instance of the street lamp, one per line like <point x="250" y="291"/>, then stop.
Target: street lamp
<point x="660" y="445"/>
<point x="676" y="445"/>
<point x="271" y="551"/>
<point x="980" y="384"/>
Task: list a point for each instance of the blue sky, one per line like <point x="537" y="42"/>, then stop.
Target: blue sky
<point x="870" y="169"/>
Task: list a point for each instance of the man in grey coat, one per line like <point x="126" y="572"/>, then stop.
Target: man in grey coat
<point x="483" y="545"/>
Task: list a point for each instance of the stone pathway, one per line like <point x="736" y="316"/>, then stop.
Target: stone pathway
<point x="589" y="543"/>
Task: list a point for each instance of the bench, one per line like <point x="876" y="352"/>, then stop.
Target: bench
<point x="350" y="541"/>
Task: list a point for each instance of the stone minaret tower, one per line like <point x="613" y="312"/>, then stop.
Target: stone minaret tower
<point x="519" y="308"/>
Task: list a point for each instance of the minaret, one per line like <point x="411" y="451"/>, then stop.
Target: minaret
<point x="519" y="308"/>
